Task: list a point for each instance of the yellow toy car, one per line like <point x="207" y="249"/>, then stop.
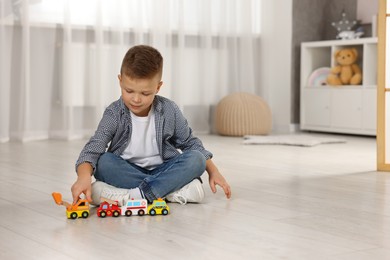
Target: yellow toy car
<point x="158" y="207"/>
<point x="79" y="210"/>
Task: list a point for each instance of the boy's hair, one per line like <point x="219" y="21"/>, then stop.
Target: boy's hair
<point x="142" y="62"/>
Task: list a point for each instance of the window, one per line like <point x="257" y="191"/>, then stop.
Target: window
<point x="191" y="16"/>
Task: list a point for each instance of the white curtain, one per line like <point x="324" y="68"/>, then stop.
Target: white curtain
<point x="60" y="58"/>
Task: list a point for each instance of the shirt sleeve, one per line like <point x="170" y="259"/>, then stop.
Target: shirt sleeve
<point x="98" y="143"/>
<point x="184" y="137"/>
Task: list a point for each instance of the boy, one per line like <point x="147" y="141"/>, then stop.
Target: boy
<point x="152" y="152"/>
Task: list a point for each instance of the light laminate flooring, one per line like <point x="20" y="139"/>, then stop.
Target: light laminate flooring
<point x="322" y="202"/>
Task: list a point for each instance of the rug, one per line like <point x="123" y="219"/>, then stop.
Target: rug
<point x="295" y="140"/>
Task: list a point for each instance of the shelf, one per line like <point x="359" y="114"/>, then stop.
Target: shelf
<point x="373" y="40"/>
<point x="342" y="87"/>
<point x="343" y="109"/>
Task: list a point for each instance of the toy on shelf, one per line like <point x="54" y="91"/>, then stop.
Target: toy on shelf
<point x="132" y="207"/>
<point x="80" y="209"/>
<point x="346" y="71"/>
<point x="345" y="28"/>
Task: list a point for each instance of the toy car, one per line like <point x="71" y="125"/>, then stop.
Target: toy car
<point x="132" y="207"/>
<point x="158" y="207"/>
<point x="108" y="209"/>
<point x="80" y="209"/>
<point x="135" y="207"/>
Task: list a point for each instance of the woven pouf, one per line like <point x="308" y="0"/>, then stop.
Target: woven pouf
<point x="240" y="114"/>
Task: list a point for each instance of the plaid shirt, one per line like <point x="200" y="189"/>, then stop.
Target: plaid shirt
<point x="114" y="129"/>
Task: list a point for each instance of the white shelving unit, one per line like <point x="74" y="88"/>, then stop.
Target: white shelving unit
<point x="347" y="109"/>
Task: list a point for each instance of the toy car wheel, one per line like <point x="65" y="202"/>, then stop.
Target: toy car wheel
<point x="115" y="213"/>
<point x="85" y="214"/>
<point x="73" y="215"/>
<point x="141" y="212"/>
<point x="103" y="214"/>
<point x="128" y="213"/>
<point x="152" y="212"/>
<point x="165" y="212"/>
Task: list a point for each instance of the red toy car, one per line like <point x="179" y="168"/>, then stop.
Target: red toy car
<point x="108" y="209"/>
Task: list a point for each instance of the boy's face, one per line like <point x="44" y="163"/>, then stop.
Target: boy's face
<point x="138" y="94"/>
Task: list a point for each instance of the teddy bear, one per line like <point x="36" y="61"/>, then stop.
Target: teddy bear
<point x="346" y="72"/>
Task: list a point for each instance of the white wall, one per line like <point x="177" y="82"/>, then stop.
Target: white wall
<point x="366" y="9"/>
<point x="276" y="54"/>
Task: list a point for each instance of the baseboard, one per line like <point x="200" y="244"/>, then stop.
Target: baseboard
<point x="29" y="136"/>
<point x="285" y="129"/>
<point x="4" y="139"/>
<point x="68" y="135"/>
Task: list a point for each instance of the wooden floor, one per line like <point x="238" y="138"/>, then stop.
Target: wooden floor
<point x="323" y="202"/>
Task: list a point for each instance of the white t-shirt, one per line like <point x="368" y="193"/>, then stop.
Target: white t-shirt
<point x="142" y="149"/>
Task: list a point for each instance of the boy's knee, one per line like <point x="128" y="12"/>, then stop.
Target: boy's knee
<point x="200" y="157"/>
<point x="107" y="158"/>
<point x="198" y="161"/>
<point x="105" y="161"/>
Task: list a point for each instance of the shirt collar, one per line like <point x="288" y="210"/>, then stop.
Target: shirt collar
<point x="157" y="103"/>
<point x="123" y="107"/>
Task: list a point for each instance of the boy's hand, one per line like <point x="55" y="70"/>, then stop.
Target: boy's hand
<point x="216" y="178"/>
<point x="83" y="183"/>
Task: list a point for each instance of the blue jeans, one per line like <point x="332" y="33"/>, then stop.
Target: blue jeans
<point x="157" y="183"/>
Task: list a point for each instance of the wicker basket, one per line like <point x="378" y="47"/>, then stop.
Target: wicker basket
<point x="240" y="114"/>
